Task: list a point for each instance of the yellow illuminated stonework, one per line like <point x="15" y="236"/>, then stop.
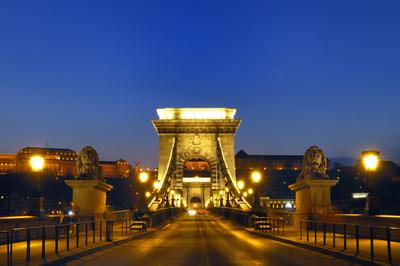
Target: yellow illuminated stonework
<point x="197" y="142"/>
<point x="196" y="113"/>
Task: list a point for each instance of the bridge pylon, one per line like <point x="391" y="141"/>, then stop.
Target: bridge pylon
<point x="196" y="157"/>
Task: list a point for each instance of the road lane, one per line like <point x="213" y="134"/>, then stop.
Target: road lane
<point x="205" y="240"/>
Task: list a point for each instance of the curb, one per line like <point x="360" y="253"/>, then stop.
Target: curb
<point x="336" y="254"/>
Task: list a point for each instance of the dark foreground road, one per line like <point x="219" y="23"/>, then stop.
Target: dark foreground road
<point x="205" y="240"/>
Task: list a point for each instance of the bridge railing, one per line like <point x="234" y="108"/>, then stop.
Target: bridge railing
<point x="376" y="242"/>
<point x="38" y="244"/>
<point x="251" y="219"/>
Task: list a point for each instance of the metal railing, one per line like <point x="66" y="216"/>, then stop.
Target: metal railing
<point x="159" y="216"/>
<point x="250" y="219"/>
<point x="54" y="239"/>
<point x="346" y="236"/>
<point x="51" y="240"/>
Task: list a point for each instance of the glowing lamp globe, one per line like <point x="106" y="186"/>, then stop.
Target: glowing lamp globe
<point x="240" y="185"/>
<point x="156" y="185"/>
<point x="37" y="163"/>
<point x="370" y="160"/>
<point x="143" y="177"/>
<point x="256" y="177"/>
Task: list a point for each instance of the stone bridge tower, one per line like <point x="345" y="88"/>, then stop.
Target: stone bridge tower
<point x="196" y="158"/>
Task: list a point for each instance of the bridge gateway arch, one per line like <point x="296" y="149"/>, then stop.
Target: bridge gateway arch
<point x="196" y="158"/>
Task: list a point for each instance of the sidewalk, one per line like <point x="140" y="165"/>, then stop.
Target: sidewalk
<point x="19" y="249"/>
<point x="380" y="249"/>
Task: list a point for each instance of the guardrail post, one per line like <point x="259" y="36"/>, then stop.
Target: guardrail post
<point x="334" y="235"/>
<point x="28" y="245"/>
<point x="389" y="248"/>
<point x="77" y="235"/>
<point x="315" y="232"/>
<point x="301" y="230"/>
<point x="357" y="240"/>
<point x="101" y="231"/>
<point x="56" y="240"/>
<point x="273" y="225"/>
<point x="67" y="235"/>
<point x="43" y="242"/>
<point x="94" y="232"/>
<point x="283" y="227"/>
<point x="109" y="231"/>
<point x="371" y="237"/>
<point x="278" y="226"/>
<point x="126" y="226"/>
<point x="324" y="228"/>
<point x="308" y="231"/>
<point x="86" y="233"/>
<point x="344" y="236"/>
<point x="8" y="248"/>
<point x="11" y="247"/>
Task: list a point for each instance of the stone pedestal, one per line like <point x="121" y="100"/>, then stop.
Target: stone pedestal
<point x="89" y="196"/>
<point x="312" y="196"/>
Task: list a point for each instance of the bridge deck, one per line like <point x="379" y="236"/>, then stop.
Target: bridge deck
<point x="205" y="240"/>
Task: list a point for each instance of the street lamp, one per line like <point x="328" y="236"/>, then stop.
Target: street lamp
<point x="256" y="178"/>
<point x="173" y="198"/>
<point x="370" y="160"/>
<point x="221" y="203"/>
<point x="156" y="185"/>
<point x="37" y="165"/>
<point x="228" y="203"/>
<point x="143" y="178"/>
<point x="240" y="185"/>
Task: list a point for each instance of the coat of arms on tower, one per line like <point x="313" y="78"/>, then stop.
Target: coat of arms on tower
<point x="196" y="144"/>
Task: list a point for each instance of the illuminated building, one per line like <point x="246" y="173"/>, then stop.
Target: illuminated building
<point x="58" y="162"/>
<point x="268" y="162"/>
<point x="115" y="169"/>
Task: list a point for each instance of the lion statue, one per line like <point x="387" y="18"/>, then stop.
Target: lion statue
<point x="87" y="164"/>
<point x="314" y="165"/>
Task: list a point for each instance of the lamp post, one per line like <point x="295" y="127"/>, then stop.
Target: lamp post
<point x="240" y="185"/>
<point x="173" y="198"/>
<point x="221" y="203"/>
<point x="370" y="161"/>
<point x="143" y="178"/>
<point x="228" y="201"/>
<point x="256" y="178"/>
<point x="37" y="165"/>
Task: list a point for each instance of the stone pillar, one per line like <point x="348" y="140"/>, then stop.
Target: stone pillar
<point x="312" y="196"/>
<point x="89" y="196"/>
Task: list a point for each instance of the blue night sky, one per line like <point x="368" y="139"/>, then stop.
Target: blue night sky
<point x="75" y="73"/>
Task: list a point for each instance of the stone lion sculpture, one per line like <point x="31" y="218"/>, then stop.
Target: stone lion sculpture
<point x="87" y="164"/>
<point x="314" y="165"/>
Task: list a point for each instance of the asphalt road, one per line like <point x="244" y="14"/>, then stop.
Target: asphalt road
<point x="205" y="240"/>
